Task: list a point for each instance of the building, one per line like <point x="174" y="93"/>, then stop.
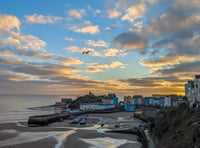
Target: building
<point x="135" y="100"/>
<point x="159" y="101"/>
<point x="190" y="92"/>
<point x="197" y="89"/>
<point x="167" y="101"/>
<point x="127" y="99"/>
<point x="110" y="99"/>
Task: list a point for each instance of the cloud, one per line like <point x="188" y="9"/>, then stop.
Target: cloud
<point x="8" y="23"/>
<point x="89" y="29"/>
<point x="111" y="52"/>
<point x="113" y="13"/>
<point x="154" y="81"/>
<point x="17" y="74"/>
<point x="98" y="11"/>
<point x="151" y="1"/>
<point x="93" y="70"/>
<point x="69" y="39"/>
<point x="178" y="51"/>
<point x="175" y="20"/>
<point x="185" y="4"/>
<point x="7" y="54"/>
<point x="28" y="41"/>
<point x="130" y="41"/>
<point x="168" y="60"/>
<point x="112" y="27"/>
<point x="189" y="68"/>
<point x="95" y="67"/>
<point x="34" y="54"/>
<point x="134" y="12"/>
<point x="11" y="40"/>
<point x="99" y="43"/>
<point x="14" y="43"/>
<point x="73" y="48"/>
<point x="117" y="64"/>
<point x="41" y="19"/>
<point x="76" y="13"/>
<point x="69" y="61"/>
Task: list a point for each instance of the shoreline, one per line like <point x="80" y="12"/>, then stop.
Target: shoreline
<point x="73" y="133"/>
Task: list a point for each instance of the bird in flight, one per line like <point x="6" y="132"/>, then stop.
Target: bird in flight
<point x="86" y="52"/>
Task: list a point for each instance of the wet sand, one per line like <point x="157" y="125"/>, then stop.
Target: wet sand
<point x="64" y="134"/>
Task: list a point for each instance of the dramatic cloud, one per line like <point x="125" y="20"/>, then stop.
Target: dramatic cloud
<point x="168" y="60"/>
<point x="134" y="12"/>
<point x="9" y="22"/>
<point x="187" y="4"/>
<point x="189" y="68"/>
<point x="178" y="51"/>
<point x="174" y="21"/>
<point x="153" y="81"/>
<point x="76" y="13"/>
<point x="99" y="43"/>
<point x="113" y="13"/>
<point x="41" y="19"/>
<point x="130" y="41"/>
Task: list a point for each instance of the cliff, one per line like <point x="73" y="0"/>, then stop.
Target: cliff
<point x="177" y="128"/>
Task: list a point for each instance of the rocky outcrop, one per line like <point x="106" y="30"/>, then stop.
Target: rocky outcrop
<point x="90" y="98"/>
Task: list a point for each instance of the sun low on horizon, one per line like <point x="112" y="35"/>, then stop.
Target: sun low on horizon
<point x="71" y="47"/>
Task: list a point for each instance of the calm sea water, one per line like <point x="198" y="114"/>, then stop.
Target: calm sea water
<point x="13" y="108"/>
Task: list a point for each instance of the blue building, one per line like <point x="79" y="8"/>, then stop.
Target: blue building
<point x="130" y="108"/>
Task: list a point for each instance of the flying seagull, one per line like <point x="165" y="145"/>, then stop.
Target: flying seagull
<point x="86" y="52"/>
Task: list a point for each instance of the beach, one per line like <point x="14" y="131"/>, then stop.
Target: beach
<point x="63" y="134"/>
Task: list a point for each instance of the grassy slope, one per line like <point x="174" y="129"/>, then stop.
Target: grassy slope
<point x="175" y="129"/>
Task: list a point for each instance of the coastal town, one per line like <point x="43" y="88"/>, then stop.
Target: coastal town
<point x="108" y="121"/>
<point x="138" y="115"/>
<point x="129" y="103"/>
<point x="100" y="74"/>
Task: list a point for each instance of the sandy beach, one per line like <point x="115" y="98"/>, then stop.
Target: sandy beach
<point x="63" y="134"/>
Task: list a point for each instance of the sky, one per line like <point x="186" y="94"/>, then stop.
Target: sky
<point x="134" y="46"/>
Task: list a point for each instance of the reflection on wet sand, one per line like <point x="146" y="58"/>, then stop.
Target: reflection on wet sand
<point x="106" y="142"/>
<point x="26" y="137"/>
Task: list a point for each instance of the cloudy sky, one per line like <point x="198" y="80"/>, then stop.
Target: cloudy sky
<point x="135" y="46"/>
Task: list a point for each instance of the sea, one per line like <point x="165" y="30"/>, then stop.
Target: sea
<point x="14" y="108"/>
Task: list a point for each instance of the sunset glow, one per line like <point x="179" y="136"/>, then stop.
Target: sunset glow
<point x="126" y="47"/>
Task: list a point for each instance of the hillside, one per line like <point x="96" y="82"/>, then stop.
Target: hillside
<point x="176" y="128"/>
<point x="90" y="98"/>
